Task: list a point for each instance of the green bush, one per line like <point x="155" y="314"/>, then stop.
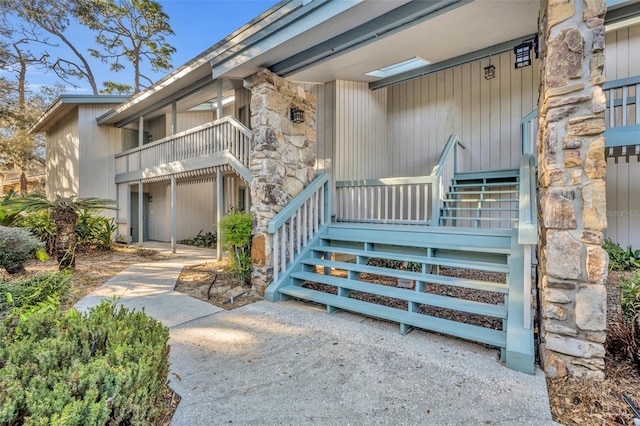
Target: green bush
<point x="17" y="246"/>
<point x="8" y="214"/>
<point x="235" y="228"/>
<point x="108" y="366"/>
<point x="94" y="231"/>
<point x="40" y="225"/>
<point x="207" y="239"/>
<point x="630" y="297"/>
<point x="20" y="296"/>
<point x="621" y="259"/>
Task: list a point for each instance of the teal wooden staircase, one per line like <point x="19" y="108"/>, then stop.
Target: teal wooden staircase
<point x="413" y="263"/>
<point x="485" y="199"/>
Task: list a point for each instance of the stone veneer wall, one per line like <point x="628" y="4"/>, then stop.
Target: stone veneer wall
<point x="572" y="168"/>
<point x="282" y="159"/>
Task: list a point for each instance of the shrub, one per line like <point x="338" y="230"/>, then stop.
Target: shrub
<point x="207" y="239"/>
<point x="623" y="337"/>
<point x="236" y="237"/>
<point x="620" y="259"/>
<point x="17" y="246"/>
<point x="108" y="366"/>
<point x="19" y="296"/>
<point x="630" y="297"/>
<point x="40" y="225"/>
<point x="8" y="214"/>
<point x="94" y="231"/>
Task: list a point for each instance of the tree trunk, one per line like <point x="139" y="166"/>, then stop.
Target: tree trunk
<point x="65" y="246"/>
<point x="23" y="184"/>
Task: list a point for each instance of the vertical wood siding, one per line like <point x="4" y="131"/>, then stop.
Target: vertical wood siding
<point x="196" y="208"/>
<point x="360" y="148"/>
<point x="157" y="127"/>
<point x="486" y="114"/>
<point x="98" y="145"/>
<point x="623" y="179"/>
<point x="63" y="156"/>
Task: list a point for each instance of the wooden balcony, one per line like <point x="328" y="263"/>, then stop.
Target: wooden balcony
<point x="219" y="143"/>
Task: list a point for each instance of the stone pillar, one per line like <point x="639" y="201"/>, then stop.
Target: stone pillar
<point x="571" y="174"/>
<point x="283" y="159"/>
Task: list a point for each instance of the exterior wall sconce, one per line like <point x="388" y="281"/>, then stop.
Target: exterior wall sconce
<point x="523" y="52"/>
<point x="297" y="115"/>
<point x="489" y="72"/>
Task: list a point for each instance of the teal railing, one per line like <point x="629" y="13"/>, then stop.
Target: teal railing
<point x="414" y="200"/>
<point x="298" y="223"/>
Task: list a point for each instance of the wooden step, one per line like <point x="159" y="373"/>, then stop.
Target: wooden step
<point x="462" y="305"/>
<point x="453" y="328"/>
<point x="480" y="200"/>
<point x="482" y="192"/>
<point x="486" y="185"/>
<point x="489" y="174"/>
<point x="448" y="262"/>
<point x="489" y="219"/>
<point x="482" y="209"/>
<point x="488" y="241"/>
<point x="410" y="275"/>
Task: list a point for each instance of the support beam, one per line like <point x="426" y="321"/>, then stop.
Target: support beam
<point x="219" y="98"/>
<point x="140" y="213"/>
<point x="174" y="219"/>
<point x="141" y="131"/>
<point x="128" y="198"/>
<point x="220" y="212"/>
<point x="174" y="117"/>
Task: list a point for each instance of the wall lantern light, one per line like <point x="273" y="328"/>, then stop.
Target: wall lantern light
<point x="523" y="52"/>
<point x="297" y="115"/>
<point x="489" y="72"/>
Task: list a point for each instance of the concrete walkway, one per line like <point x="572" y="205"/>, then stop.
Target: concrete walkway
<point x="290" y="363"/>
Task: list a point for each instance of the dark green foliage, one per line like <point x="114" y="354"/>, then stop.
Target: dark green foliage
<point x="17" y="246"/>
<point x="8" y="214"/>
<point x="94" y="231"/>
<point x="109" y="366"/>
<point x="207" y="239"/>
<point x="40" y="225"/>
<point x="630" y="297"/>
<point x="236" y="237"/>
<point x="20" y="296"/>
<point x="623" y="337"/>
<point x="621" y="259"/>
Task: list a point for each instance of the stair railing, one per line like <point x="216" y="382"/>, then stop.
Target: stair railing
<point x="443" y="173"/>
<point x="410" y="200"/>
<point x="527" y="223"/>
<point x="298" y="223"/>
<point x="529" y="133"/>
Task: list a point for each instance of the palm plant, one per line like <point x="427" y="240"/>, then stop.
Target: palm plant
<point x="64" y="213"/>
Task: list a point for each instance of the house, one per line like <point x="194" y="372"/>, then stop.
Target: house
<point x="440" y="135"/>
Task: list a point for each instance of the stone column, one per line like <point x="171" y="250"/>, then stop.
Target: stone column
<point x="572" y="167"/>
<point x="283" y="159"/>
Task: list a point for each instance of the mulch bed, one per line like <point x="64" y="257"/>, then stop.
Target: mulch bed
<point x="212" y="283"/>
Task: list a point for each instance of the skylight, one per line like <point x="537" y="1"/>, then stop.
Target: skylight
<point x="400" y="67"/>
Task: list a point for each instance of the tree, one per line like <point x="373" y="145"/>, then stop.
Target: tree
<point x="19" y="106"/>
<point x="53" y="17"/>
<point x="128" y="30"/>
<point x="64" y="213"/>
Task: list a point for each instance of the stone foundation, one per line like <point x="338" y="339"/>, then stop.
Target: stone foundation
<point x="571" y="172"/>
<point x="283" y="158"/>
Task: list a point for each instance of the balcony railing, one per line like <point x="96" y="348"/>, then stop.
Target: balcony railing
<point x="224" y="135"/>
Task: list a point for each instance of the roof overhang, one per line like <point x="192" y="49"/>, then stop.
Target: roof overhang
<point x="324" y="40"/>
<point x="65" y="103"/>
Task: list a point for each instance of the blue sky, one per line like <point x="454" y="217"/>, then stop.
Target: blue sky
<point x="198" y="24"/>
